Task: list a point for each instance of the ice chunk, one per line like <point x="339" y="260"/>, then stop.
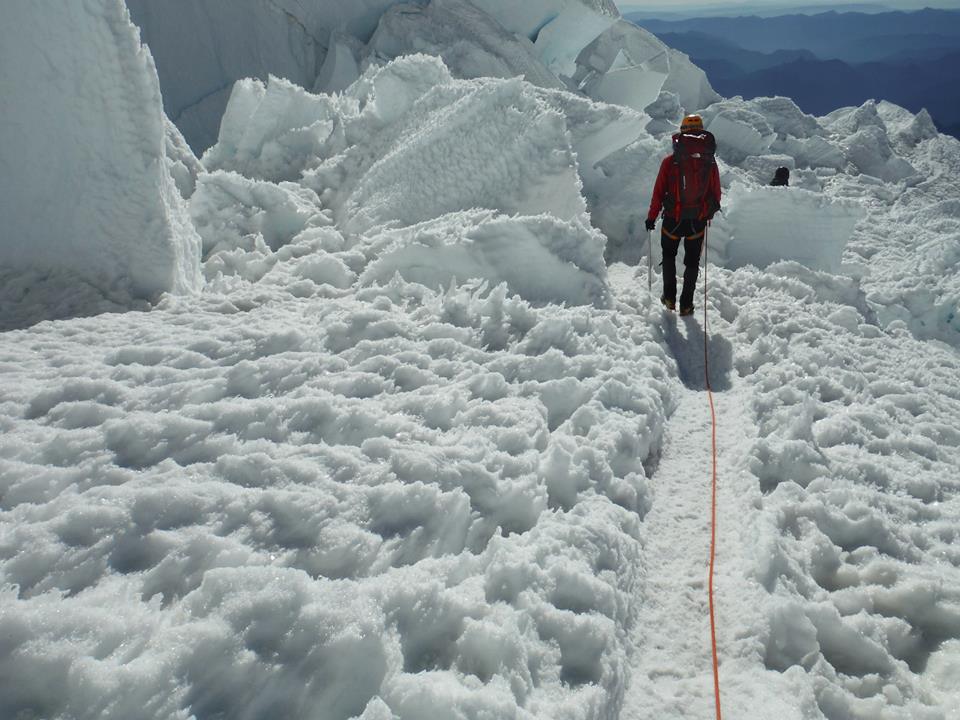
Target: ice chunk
<point x="227" y="208"/>
<point x="848" y="120"/>
<point x="529" y="18"/>
<point x="620" y="198"/>
<point x="630" y="66"/>
<point x="665" y="113"/>
<point x="398" y="151"/>
<point x="870" y="151"/>
<point x="904" y="125"/>
<point x="182" y="163"/>
<point x="272" y="132"/>
<point x="624" y="65"/>
<point x="740" y="132"/>
<point x="785" y="117"/>
<point x="763" y="225"/>
<point x="203" y="48"/>
<point x="561" y="40"/>
<point x="596" y="130"/>
<point x="814" y="152"/>
<point x="515" y="158"/>
<point x="85" y="184"/>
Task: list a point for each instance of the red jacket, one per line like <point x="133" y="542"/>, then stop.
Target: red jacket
<point x="666" y="191"/>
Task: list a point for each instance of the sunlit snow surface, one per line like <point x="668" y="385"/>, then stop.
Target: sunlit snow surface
<point x="415" y="452"/>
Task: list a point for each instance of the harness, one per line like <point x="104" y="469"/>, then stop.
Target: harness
<point x="677" y="237"/>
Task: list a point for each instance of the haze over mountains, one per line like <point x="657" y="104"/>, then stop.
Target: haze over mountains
<point x="828" y="60"/>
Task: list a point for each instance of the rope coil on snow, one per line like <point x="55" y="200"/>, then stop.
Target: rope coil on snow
<point x="713" y="502"/>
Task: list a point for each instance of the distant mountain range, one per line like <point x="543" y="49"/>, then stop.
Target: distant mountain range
<point x="851" y="37"/>
<point x="764" y="9"/>
<point x="829" y="60"/>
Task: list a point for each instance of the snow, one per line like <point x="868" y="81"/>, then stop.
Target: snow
<point x="541" y="258"/>
<point x="86" y="188"/>
<point x="422" y="445"/>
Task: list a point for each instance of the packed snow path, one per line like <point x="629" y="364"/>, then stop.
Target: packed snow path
<point x="672" y="676"/>
<point x="672" y="673"/>
<point x="768" y="616"/>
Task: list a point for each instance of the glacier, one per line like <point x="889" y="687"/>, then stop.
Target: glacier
<point x="343" y="396"/>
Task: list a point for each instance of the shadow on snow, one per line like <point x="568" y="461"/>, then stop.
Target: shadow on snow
<point x="684" y="337"/>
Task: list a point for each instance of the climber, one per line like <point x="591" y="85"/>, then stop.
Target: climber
<point x="781" y="176"/>
<point x="688" y="192"/>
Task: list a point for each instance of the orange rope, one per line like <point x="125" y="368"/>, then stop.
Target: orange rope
<point x="713" y="503"/>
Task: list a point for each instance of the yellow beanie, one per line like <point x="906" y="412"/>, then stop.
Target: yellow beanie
<point x="691" y="122"/>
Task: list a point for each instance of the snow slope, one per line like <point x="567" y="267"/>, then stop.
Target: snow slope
<point x="86" y="190"/>
<point x="416" y="451"/>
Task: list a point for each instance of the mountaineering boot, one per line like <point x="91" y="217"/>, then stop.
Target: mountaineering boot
<point x="668" y="303"/>
<point x="686" y="310"/>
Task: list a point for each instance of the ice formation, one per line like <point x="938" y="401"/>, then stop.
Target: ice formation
<point x="391" y="151"/>
<point x="325" y="45"/>
<point x="415" y="449"/>
<point x="470" y="42"/>
<point x="202" y="48"/>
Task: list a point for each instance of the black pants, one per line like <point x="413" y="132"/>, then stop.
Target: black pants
<point x="691" y="233"/>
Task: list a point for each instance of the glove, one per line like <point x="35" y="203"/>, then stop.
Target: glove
<point x="650" y="224"/>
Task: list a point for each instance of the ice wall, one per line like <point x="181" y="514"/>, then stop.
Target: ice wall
<point x="530" y="17"/>
<point x="85" y="184"/>
<point x="202" y="46"/>
<point x="470" y="42"/>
